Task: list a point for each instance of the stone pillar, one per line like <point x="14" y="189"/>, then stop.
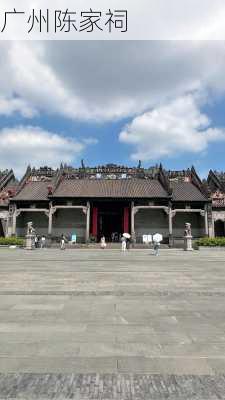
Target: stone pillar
<point x="210" y="221"/>
<point x="170" y="215"/>
<point x="49" y="214"/>
<point x="126" y="220"/>
<point x="87" y="222"/>
<point x="14" y="221"/>
<point x="132" y="221"/>
<point x="7" y="227"/>
<point x="134" y="211"/>
<point x="95" y="222"/>
<point x="206" y="221"/>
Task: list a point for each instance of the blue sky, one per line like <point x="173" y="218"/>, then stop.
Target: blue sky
<point x="112" y="103"/>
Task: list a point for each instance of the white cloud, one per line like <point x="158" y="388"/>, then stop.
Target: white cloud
<point x="22" y="145"/>
<point x="174" y="128"/>
<point x="105" y="80"/>
<point x="8" y="106"/>
<point x="90" y="140"/>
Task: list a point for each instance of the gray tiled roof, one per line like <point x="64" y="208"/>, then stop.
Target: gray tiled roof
<point x="127" y="188"/>
<point x="186" y="191"/>
<point x="33" y="191"/>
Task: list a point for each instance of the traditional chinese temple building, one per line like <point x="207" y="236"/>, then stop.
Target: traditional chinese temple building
<point x="8" y="186"/>
<point x="109" y="200"/>
<point x="216" y="184"/>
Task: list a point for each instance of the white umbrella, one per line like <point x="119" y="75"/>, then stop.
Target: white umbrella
<point x="157" y="237"/>
<point x="127" y="235"/>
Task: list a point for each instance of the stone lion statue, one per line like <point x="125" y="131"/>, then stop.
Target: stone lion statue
<point x="187" y="231"/>
<point x="30" y="228"/>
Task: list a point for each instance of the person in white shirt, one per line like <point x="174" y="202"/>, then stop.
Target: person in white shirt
<point x="103" y="242"/>
<point x="124" y="243"/>
<point x="42" y="241"/>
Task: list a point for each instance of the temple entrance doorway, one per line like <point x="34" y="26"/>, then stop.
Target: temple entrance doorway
<point x="219" y="228"/>
<point x="1" y="229"/>
<point x="110" y="219"/>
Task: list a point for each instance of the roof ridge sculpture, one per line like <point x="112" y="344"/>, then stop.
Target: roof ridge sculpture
<point x="6" y="176"/>
<point x="196" y="181"/>
<point x="23" y="180"/>
<point x="215" y="178"/>
<point x="163" y="179"/>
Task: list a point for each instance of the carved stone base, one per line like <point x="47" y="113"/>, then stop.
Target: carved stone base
<point x="30" y="242"/>
<point x="188" y="243"/>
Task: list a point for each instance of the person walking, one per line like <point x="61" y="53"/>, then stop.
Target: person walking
<point x="124" y="243"/>
<point x="128" y="243"/>
<point x="63" y="242"/>
<point x="36" y="241"/>
<point x="103" y="242"/>
<point x="42" y="242"/>
<point x="156" y="248"/>
<point x="157" y="238"/>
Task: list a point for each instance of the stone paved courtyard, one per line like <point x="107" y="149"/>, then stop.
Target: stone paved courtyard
<point x="93" y="324"/>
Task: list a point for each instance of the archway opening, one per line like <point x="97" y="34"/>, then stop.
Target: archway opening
<point x="219" y="227"/>
<point x="1" y="229"/>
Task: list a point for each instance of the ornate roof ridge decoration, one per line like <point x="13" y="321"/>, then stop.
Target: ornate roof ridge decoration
<point x="45" y="171"/>
<point x="206" y="188"/>
<point x="34" y="175"/>
<point x="215" y="182"/>
<point x="3" y="173"/>
<point x="195" y="180"/>
<point x="7" y="186"/>
<point x="109" y="171"/>
<point x="56" y="180"/>
<point x="179" y="174"/>
<point x="112" y="171"/>
<point x="23" y="180"/>
<point x="6" y="194"/>
<point x="188" y="175"/>
<point x="164" y="180"/>
<point x="5" y="177"/>
<point x="219" y="174"/>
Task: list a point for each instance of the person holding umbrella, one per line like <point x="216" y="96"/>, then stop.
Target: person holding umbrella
<point x="157" y="238"/>
<point x="125" y="241"/>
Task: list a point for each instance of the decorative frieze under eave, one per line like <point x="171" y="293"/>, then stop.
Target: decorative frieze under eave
<point x="189" y="210"/>
<point x="150" y="207"/>
<point x="53" y="209"/>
